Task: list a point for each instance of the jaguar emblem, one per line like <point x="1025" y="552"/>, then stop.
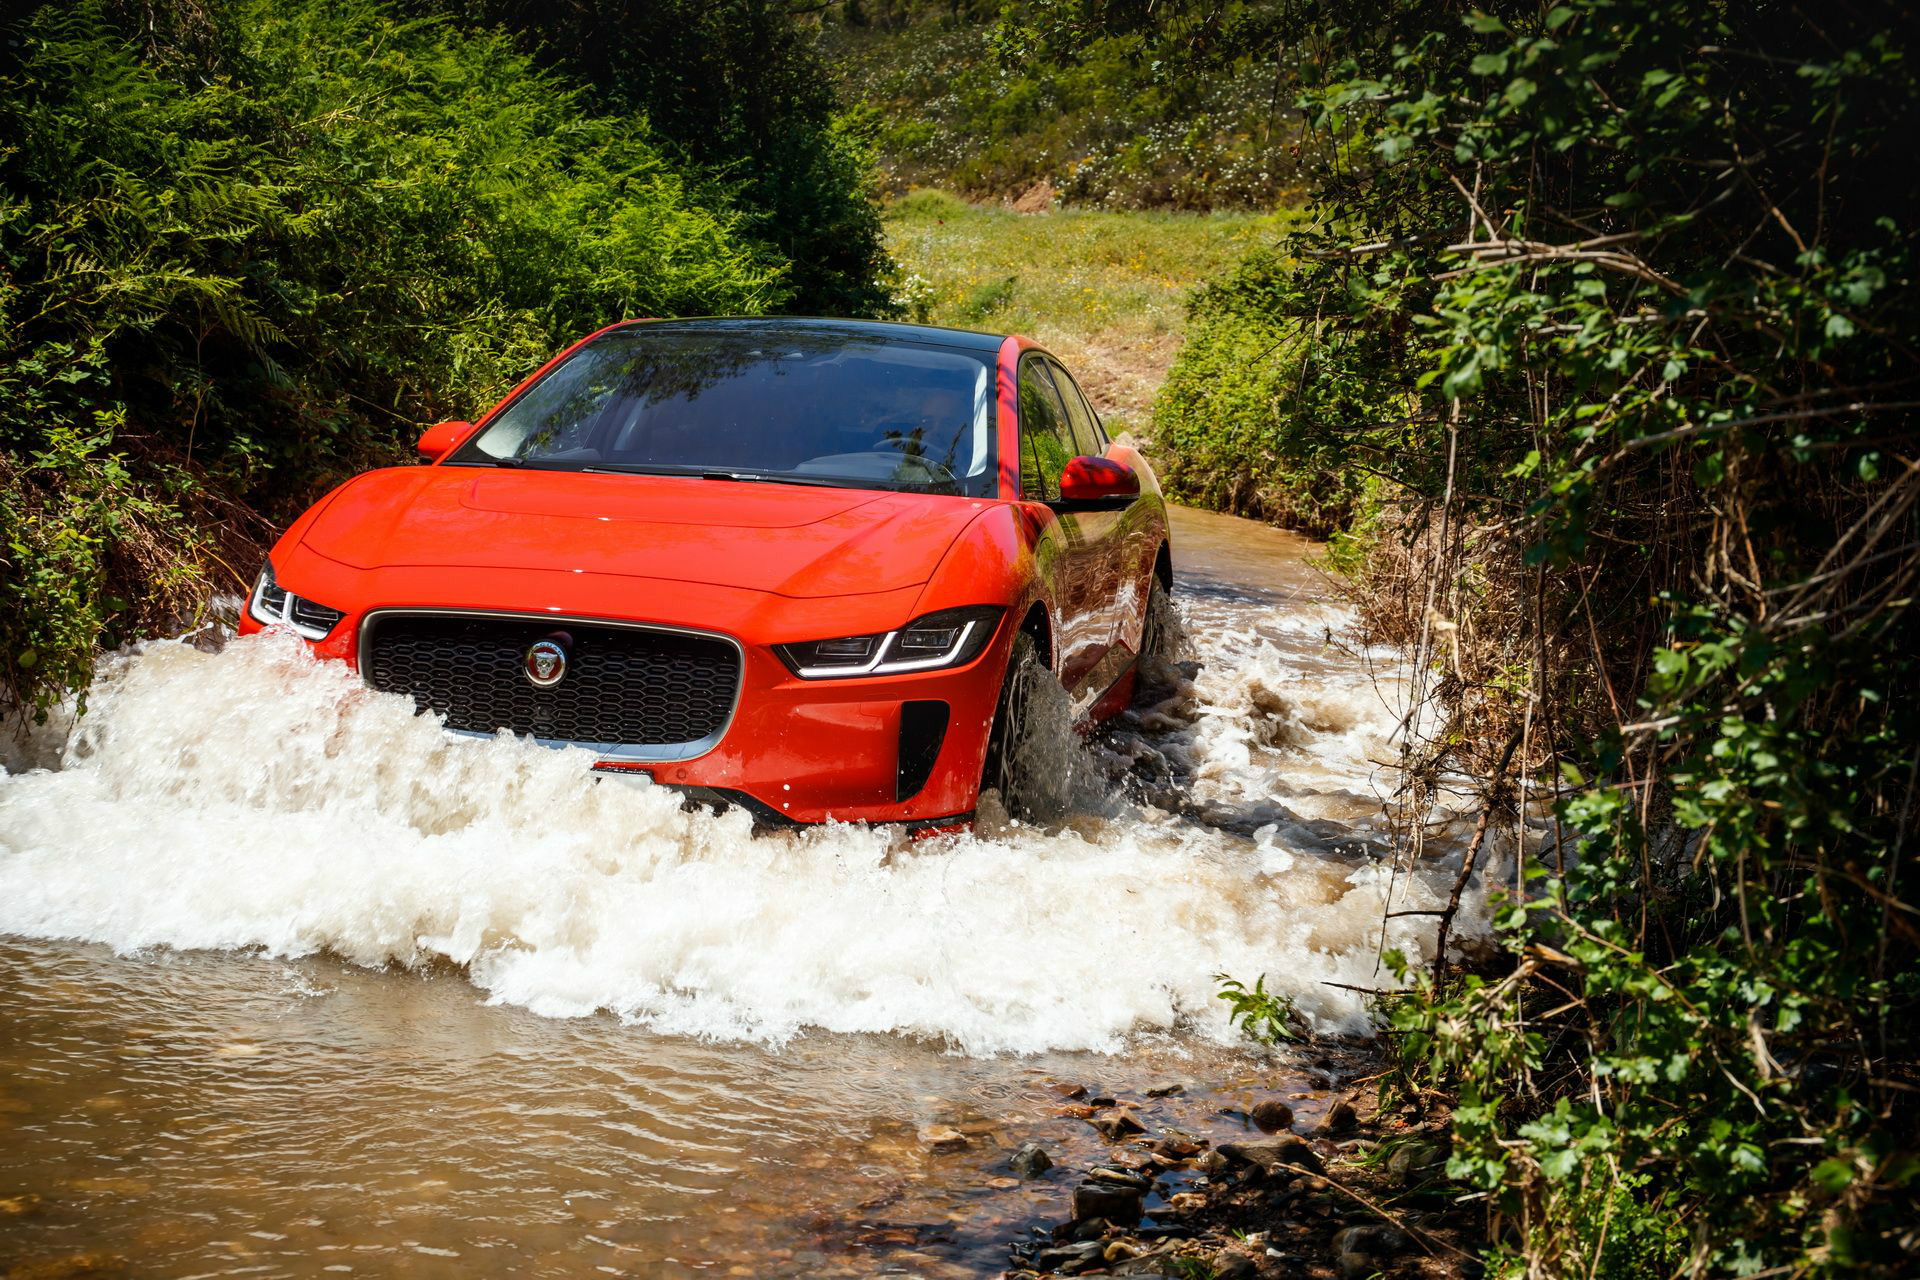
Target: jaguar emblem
<point x="546" y="664"/>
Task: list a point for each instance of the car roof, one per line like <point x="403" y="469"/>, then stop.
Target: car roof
<point x="874" y="330"/>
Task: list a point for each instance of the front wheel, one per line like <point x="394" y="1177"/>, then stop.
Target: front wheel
<point x="1017" y="746"/>
<point x="1160" y="638"/>
<point x="1157" y="628"/>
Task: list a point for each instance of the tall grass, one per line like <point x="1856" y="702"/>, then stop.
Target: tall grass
<point x="1104" y="289"/>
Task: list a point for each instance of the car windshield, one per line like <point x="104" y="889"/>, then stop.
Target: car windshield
<point x="799" y="406"/>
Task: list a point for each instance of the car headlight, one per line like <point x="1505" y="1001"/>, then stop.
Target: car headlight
<point x="276" y="606"/>
<point x="949" y="638"/>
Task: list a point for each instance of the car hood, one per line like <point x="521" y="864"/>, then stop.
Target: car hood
<point x="795" y="540"/>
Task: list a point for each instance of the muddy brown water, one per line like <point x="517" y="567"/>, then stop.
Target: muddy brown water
<point x="290" y="984"/>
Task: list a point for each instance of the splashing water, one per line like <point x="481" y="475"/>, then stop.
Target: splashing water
<point x="256" y="798"/>
<point x="252" y="800"/>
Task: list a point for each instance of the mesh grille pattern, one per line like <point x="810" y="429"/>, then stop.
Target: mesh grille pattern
<point x="622" y="685"/>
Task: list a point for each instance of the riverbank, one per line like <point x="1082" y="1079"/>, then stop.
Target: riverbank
<point x="1313" y="1182"/>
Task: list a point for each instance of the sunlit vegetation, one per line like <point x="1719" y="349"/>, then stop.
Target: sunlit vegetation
<point x="1596" y="345"/>
<point x="250" y="247"/>
<point x="972" y="96"/>
<point x="1105" y="290"/>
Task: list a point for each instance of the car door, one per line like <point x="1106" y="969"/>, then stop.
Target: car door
<point x="1073" y="564"/>
<point x="1112" y="531"/>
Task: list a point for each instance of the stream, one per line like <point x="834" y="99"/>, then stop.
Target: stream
<point x="291" y="983"/>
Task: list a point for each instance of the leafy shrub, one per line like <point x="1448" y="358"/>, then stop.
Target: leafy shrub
<point x="1075" y="96"/>
<point x="248" y="248"/>
<point x="1614" y="301"/>
<point x="1263" y="1016"/>
<point x="1227" y="422"/>
<point x="985" y="300"/>
<point x="735" y="90"/>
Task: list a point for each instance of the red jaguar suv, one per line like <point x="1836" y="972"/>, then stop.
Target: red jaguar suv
<point x="816" y="568"/>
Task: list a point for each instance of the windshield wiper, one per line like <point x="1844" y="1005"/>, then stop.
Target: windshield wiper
<point x="701" y="473"/>
<point x="780" y="477"/>
<point x="737" y="477"/>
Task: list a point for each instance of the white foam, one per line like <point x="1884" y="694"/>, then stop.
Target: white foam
<point x="253" y="798"/>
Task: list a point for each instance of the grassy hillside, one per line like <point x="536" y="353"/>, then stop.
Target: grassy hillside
<point x="1104" y="290"/>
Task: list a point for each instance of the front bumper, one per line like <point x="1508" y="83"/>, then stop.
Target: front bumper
<point x="848" y="750"/>
<point x="905" y="748"/>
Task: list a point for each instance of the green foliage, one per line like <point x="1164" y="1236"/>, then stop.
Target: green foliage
<point x="1616" y="301"/>
<point x="1227" y="421"/>
<point x="1060" y="92"/>
<point x="984" y="301"/>
<point x="735" y="90"/>
<point x="1189" y="1267"/>
<point x="248" y="248"/>
<point x="1263" y="1016"/>
<point x="1104" y="289"/>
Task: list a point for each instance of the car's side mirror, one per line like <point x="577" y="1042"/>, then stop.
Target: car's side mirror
<point x="438" y="440"/>
<point x="1101" y="482"/>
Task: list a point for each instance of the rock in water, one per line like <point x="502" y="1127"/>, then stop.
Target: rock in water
<point x="1175" y="1145"/>
<point x="1117" y="1128"/>
<point x="1031" y="1160"/>
<point x="1071" y="1259"/>
<point x="1409" y="1159"/>
<point x="1341" y="1118"/>
<point x="1272" y="1115"/>
<point x="1109" y="1200"/>
<point x="1286" y="1151"/>
<point x="942" y="1137"/>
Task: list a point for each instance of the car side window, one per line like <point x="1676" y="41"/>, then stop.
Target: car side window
<point x="1087" y="436"/>
<point x="1046" y="439"/>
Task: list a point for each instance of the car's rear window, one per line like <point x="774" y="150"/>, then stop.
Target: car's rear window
<point x="800" y="406"/>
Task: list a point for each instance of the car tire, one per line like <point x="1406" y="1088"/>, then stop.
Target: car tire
<point x="1011" y="743"/>
<point x="1157" y="629"/>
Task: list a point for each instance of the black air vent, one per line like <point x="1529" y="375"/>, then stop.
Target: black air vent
<point x="923" y="727"/>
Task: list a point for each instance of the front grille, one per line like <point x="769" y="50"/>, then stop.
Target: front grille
<point x="623" y="685"/>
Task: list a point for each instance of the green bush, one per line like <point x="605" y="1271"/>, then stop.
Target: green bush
<point x="1078" y="95"/>
<point x="248" y="248"/>
<point x="735" y="90"/>
<point x="1615" y="299"/>
<point x="1229" y="430"/>
<point x="986" y="300"/>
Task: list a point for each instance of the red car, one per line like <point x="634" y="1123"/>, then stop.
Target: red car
<point x="811" y="567"/>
